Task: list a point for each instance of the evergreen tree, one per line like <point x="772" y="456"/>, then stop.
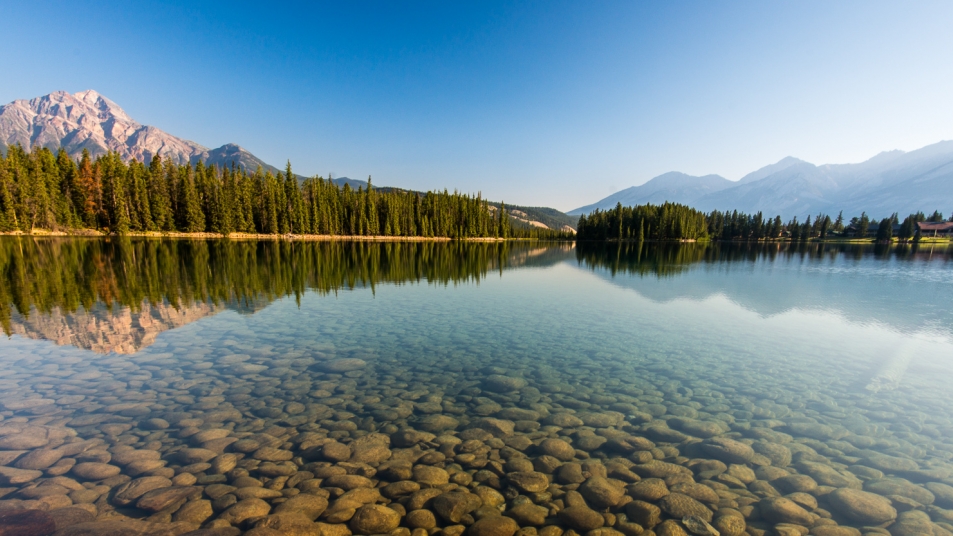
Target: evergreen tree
<point x="863" y="225"/>
<point x="190" y="218"/>
<point x="885" y="230"/>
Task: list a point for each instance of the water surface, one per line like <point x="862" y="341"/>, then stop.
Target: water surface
<point x="744" y="367"/>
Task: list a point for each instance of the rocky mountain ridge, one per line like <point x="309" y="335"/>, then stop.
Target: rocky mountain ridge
<point x="90" y="121"/>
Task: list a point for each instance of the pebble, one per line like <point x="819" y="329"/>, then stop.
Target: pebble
<point x="374" y="519"/>
<point x="494" y="526"/>
<point x="862" y="507"/>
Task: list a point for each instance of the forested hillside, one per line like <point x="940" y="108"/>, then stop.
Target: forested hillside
<point x="43" y="190"/>
<point x="672" y="221"/>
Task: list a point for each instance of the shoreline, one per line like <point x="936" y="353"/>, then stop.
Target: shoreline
<point x="89" y="233"/>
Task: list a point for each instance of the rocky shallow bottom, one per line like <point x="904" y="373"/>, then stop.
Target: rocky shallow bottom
<point x="225" y="438"/>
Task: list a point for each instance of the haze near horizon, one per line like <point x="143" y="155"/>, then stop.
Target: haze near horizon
<point x="532" y="103"/>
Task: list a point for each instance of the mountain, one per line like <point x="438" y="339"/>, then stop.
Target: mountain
<point x="88" y="120"/>
<point x="667" y="187"/>
<point x="892" y="181"/>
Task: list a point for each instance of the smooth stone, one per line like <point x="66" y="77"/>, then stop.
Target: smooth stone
<point x="912" y="523"/>
<point x="133" y="456"/>
<point x="678" y="506"/>
<point x="861" y="507"/>
<point x="834" y="530"/>
<point x="342" y="365"/>
<point x="336" y="452"/>
<point x="348" y="482"/>
<point x="453" y="506"/>
<point x="659" y="469"/>
<point x="493" y="526"/>
<point x="783" y="510"/>
<point x="26" y="440"/>
<point x="39" y="459"/>
<point x="601" y="492"/>
<point x="528" y="514"/>
<point x="422" y="498"/>
<point x="437" y="423"/>
<point x="72" y="515"/>
<point x="26" y="523"/>
<point x="307" y="504"/>
<point x="14" y="476"/>
<point x="504" y="384"/>
<point x="333" y="529"/>
<point x="703" y="429"/>
<point x="650" y="489"/>
<point x="699" y="526"/>
<point x="270" y="454"/>
<point x="779" y="455"/>
<point x="95" y="470"/>
<point x="899" y="486"/>
<point x="670" y="527"/>
<point x="256" y="493"/>
<point x="558" y="449"/>
<point x="434" y="476"/>
<point x="730" y="525"/>
<point x="189" y="456"/>
<point x="727" y="450"/>
<point x="162" y="498"/>
<point x="795" y="483"/>
<point x="195" y="511"/>
<point x="529" y="481"/>
<point x="131" y="491"/>
<point x="288" y="524"/>
<point x="699" y="492"/>
<point x="826" y="475"/>
<point x="581" y="518"/>
<point x="409" y="438"/>
<point x="421" y="519"/>
<point x="942" y="492"/>
<point x="563" y="420"/>
<point x="889" y="464"/>
<point x="374" y="519"/>
<point x="246" y="509"/>
<point x="497" y="427"/>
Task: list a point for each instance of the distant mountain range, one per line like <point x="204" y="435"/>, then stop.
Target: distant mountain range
<point x="88" y="120"/>
<point x="893" y="181"/>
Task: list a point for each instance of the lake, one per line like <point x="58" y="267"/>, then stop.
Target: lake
<point x="330" y="388"/>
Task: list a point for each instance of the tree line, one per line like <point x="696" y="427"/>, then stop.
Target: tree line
<point x="41" y="189"/>
<point x="673" y="221"/>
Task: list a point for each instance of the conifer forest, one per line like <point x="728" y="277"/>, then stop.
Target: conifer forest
<point x="41" y="189"/>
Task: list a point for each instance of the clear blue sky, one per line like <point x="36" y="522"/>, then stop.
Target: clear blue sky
<point x="548" y="103"/>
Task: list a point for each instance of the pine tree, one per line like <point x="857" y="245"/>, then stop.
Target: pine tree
<point x="190" y="218"/>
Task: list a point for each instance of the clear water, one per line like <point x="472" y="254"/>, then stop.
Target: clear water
<point x="843" y="354"/>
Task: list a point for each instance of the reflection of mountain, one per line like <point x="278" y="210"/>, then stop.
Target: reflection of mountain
<point x="781" y="278"/>
<point x="122" y="330"/>
<point x="119" y="295"/>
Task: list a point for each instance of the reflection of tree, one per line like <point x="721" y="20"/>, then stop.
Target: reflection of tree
<point x="657" y="258"/>
<point x="67" y="275"/>
<point x="663" y="259"/>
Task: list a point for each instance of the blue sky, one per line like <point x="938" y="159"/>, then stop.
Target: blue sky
<point x="547" y="103"/>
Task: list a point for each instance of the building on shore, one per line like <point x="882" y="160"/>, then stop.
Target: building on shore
<point x="929" y="229"/>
